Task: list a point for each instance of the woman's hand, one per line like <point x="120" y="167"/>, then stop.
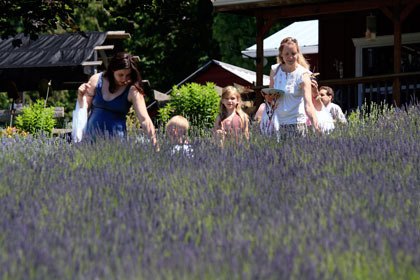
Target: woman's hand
<point x="139" y="105"/>
<point x="84" y="89"/>
<point x="314" y="85"/>
<point x="83" y="92"/>
<point x="310" y="110"/>
<point x="220" y="132"/>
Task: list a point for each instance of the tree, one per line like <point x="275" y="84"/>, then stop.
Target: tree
<point x="234" y="33"/>
<point x="33" y="17"/>
<point x="173" y="38"/>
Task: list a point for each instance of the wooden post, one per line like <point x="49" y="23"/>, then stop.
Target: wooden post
<point x="259" y="60"/>
<point x="262" y="28"/>
<point x="396" y="86"/>
<point x="260" y="52"/>
<point x="398" y="15"/>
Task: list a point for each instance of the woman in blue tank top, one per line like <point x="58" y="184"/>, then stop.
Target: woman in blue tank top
<point x="109" y="96"/>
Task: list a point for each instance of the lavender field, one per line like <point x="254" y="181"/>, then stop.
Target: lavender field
<point x="342" y="206"/>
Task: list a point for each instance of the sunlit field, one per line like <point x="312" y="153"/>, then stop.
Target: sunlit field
<point x="341" y="206"/>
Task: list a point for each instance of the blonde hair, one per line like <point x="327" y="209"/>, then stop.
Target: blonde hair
<point x="178" y="122"/>
<point x="226" y="92"/>
<point x="288" y="41"/>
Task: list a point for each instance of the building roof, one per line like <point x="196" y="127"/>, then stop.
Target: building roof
<point x="223" y="3"/>
<point x="243" y="73"/>
<point x="66" y="60"/>
<point x="49" y="50"/>
<point x="237" y="5"/>
<point x="306" y="32"/>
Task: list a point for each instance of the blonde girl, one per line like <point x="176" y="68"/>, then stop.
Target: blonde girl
<point x="232" y="121"/>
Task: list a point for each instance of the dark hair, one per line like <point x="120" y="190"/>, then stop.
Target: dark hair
<point x="329" y="90"/>
<point x="119" y="61"/>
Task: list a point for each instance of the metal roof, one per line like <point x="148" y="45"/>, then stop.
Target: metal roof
<point x="306" y="33"/>
<point x="243" y="73"/>
<point x="49" y="50"/>
<point x="66" y="60"/>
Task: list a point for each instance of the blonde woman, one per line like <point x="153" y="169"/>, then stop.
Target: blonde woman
<point x="292" y="76"/>
<point x="232" y="121"/>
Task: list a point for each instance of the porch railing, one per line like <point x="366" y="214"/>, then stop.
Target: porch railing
<point x="351" y="93"/>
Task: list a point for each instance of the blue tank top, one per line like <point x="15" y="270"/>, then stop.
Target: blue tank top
<point x="108" y="117"/>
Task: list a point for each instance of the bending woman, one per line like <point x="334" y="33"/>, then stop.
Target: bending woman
<point x="109" y="96"/>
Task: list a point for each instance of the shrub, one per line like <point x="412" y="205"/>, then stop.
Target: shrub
<point x="11" y="131"/>
<point x="132" y="121"/>
<point x="198" y="103"/>
<point x="36" y="118"/>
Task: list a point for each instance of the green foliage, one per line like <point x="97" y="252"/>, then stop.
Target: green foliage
<point x="241" y="35"/>
<point x="198" y="103"/>
<point x="369" y="114"/>
<point x="171" y="37"/>
<point x="35" y="17"/>
<point x="56" y="98"/>
<point x="96" y="16"/>
<point x="132" y="121"/>
<point x="36" y="119"/>
<point x="242" y="30"/>
<point x="4" y="101"/>
<point x="10" y="132"/>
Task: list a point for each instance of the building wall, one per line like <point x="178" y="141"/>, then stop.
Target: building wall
<point x="336" y="45"/>
<point x="336" y="33"/>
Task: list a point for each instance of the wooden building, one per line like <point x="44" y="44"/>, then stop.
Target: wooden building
<point x="224" y="74"/>
<point x="67" y="60"/>
<point x="55" y="62"/>
<point x="369" y="50"/>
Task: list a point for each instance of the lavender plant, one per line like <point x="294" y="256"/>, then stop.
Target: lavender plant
<point x="342" y="206"/>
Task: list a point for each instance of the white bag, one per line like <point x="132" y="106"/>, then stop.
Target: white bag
<point x="79" y="121"/>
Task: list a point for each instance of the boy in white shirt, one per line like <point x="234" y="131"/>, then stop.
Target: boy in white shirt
<point x="327" y="96"/>
<point x="177" y="132"/>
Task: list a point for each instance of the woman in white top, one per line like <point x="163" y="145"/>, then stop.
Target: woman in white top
<point x="292" y="76"/>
